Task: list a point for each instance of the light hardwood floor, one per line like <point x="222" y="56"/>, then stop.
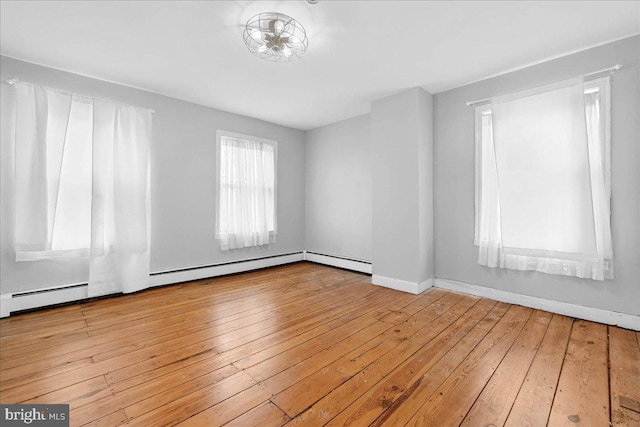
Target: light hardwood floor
<point x="308" y="345"/>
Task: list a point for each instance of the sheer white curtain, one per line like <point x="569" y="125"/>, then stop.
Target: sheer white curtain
<point x="42" y="117"/>
<point x="120" y="220"/>
<point x="52" y="132"/>
<point x="542" y="184"/>
<point x="246" y="192"/>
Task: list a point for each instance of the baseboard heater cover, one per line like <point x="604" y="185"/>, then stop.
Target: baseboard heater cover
<point x="339" y="261"/>
<point x="10" y="303"/>
<point x="204" y="272"/>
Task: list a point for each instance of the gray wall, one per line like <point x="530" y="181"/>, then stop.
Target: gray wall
<point x="182" y="183"/>
<point x="338" y="189"/>
<point x="401" y="125"/>
<point x="455" y="254"/>
<point x="425" y="179"/>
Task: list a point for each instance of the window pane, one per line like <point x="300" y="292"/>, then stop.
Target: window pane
<point x="246" y="190"/>
<point x="72" y="223"/>
<point x="543" y="172"/>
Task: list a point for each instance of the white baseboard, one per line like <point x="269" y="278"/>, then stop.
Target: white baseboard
<point x="607" y="317"/>
<point x="334" y="261"/>
<point x="4" y="305"/>
<point x="402" y="285"/>
<point x="37" y="298"/>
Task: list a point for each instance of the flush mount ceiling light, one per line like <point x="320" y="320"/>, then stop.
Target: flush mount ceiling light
<point x="275" y="37"/>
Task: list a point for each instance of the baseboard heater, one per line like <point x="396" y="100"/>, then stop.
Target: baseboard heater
<point x="339" y="261"/>
<point x="20" y="301"/>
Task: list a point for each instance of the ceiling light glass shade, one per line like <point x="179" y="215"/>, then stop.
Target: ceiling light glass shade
<point x="275" y="37"/>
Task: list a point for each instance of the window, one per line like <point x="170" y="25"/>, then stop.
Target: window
<point x="246" y="191"/>
<point x="53" y="216"/>
<point x="543" y="181"/>
<point x="82" y="184"/>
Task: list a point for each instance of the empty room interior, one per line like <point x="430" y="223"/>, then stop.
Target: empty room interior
<point x="316" y="212"/>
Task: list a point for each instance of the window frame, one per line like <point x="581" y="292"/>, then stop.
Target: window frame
<point x="598" y="266"/>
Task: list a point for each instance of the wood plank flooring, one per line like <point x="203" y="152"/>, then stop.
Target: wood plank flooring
<point x="310" y="345"/>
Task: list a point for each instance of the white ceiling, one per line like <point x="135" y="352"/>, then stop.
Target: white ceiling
<point x="359" y="51"/>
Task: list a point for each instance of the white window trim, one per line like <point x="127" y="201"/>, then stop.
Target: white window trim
<point x="479" y="112"/>
<point x="22" y="255"/>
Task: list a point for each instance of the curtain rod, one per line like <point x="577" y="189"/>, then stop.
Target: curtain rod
<point x="604" y="70"/>
<point x="13" y="82"/>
